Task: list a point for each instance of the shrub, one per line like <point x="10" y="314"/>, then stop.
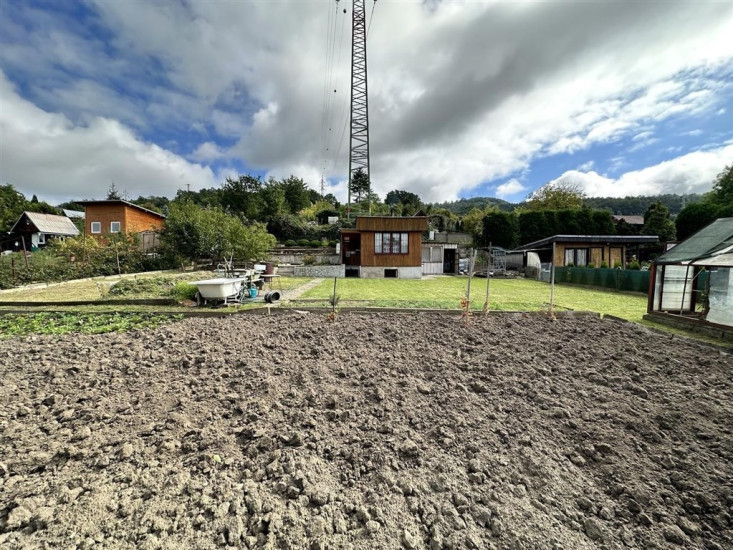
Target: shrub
<point x="604" y="265"/>
<point x="315" y="243"/>
<point x="635" y="265"/>
<point x="617" y="265"/>
<point x="290" y="242"/>
<point x="591" y="265"/>
<point x="184" y="291"/>
<point x="304" y="242"/>
<point x="309" y="260"/>
<point x="570" y="264"/>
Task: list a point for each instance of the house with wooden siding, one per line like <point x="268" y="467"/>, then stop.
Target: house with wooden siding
<point x="384" y="246"/>
<point x="109" y="217"/>
<point x="34" y="230"/>
<point x="583" y="250"/>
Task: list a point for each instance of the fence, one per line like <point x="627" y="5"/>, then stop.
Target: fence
<point x="618" y="279"/>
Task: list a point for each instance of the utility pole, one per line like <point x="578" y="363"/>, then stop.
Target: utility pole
<point x="359" y="138"/>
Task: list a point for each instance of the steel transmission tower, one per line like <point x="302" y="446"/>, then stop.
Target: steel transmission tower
<point x="359" y="140"/>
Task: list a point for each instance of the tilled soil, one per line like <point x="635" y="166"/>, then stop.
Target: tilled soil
<point x="376" y="431"/>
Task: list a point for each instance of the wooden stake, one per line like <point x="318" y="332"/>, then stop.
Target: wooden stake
<point x="552" y="280"/>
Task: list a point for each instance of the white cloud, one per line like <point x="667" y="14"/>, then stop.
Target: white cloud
<point x="48" y="155"/>
<point x="207" y="151"/>
<point x="587" y="166"/>
<point x="690" y="173"/>
<point x="510" y="188"/>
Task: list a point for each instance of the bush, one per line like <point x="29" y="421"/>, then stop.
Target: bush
<point x="184" y="291"/>
<point x="604" y="265"/>
<point x="309" y="260"/>
<point x="570" y="264"/>
<point x="591" y="265"/>
<point x="304" y="242"/>
<point x="316" y="243"/>
<point x="617" y="265"/>
<point x="290" y="243"/>
<point x="635" y="265"/>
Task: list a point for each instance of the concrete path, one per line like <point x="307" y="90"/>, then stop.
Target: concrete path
<point x="297" y="292"/>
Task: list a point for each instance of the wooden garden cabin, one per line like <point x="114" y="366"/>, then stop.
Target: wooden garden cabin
<point x="384" y="246"/>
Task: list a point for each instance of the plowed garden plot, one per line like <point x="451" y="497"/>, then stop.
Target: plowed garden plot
<point x="376" y="431"/>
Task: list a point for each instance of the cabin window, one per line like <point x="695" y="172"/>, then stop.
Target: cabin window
<point x="114" y="227"/>
<point x="96" y="227"/>
<point x="576" y="256"/>
<point x="391" y="243"/>
<point x="41" y="238"/>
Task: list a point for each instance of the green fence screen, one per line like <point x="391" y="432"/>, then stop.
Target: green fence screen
<point x="617" y="279"/>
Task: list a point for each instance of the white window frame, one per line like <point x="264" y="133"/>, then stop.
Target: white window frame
<point x="112" y="227"/>
<point x="98" y="225"/>
<point x="41" y="238"/>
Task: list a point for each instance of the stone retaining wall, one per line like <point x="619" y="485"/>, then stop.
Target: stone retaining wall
<point x="325" y="271"/>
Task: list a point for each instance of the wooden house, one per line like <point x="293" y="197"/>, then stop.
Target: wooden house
<point x="693" y="281"/>
<point x="34" y="230"/>
<point x="583" y="250"/>
<point x="384" y="246"/>
<point x="109" y="217"/>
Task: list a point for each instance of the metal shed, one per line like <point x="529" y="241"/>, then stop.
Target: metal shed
<point x="694" y="279"/>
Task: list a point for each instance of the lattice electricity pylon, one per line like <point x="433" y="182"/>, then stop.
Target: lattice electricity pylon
<point x="359" y="140"/>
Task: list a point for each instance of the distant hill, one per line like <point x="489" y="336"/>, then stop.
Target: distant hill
<point x="638" y="205"/>
<point x="464" y="206"/>
<point x="631" y="206"/>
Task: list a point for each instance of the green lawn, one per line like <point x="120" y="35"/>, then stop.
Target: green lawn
<point x="444" y="292"/>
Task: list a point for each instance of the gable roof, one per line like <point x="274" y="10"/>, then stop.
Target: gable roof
<point x="50" y="224"/>
<point x="121" y="201"/>
<point x="711" y="245"/>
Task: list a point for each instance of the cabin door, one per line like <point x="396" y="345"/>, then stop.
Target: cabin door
<point x="614" y="257"/>
<point x="449" y="260"/>
<point x="351" y="249"/>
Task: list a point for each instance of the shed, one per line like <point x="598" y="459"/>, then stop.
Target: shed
<point x="38" y="229"/>
<point x="439" y="258"/>
<point x="581" y="250"/>
<point x="694" y="280"/>
<point x="384" y="246"/>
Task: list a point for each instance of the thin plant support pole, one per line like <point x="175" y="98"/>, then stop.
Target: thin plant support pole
<point x="333" y="298"/>
<point x="552" y="280"/>
<point x="488" y="280"/>
<point x="470" y="276"/>
<point x="25" y="253"/>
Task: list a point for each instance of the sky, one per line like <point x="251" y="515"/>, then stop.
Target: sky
<point x="466" y="98"/>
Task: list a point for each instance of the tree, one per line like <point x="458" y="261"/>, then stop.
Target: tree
<point x="473" y="224"/>
<point x="242" y="196"/>
<point x="694" y="217"/>
<point x="722" y="193"/>
<point x="113" y="193"/>
<point x="559" y="196"/>
<point x="273" y="200"/>
<point x="12" y="205"/>
<point x="657" y="222"/>
<point x="501" y="229"/>
<point x="297" y="194"/>
<point x="360" y="186"/>
<point x="193" y="233"/>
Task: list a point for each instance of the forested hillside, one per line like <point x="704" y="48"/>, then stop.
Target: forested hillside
<point x="616" y="205"/>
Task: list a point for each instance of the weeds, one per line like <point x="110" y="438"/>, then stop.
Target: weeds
<point x="63" y="323"/>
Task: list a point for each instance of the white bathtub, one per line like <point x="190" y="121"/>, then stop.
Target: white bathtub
<point x="220" y="288"/>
